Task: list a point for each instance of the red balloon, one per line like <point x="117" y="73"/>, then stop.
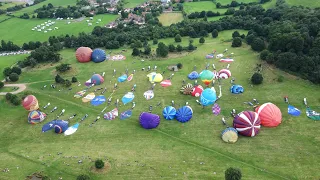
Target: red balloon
<point x="269" y="114"/>
<point x="247" y="123"/>
<point x="30" y="103"/>
<point x="197" y="90"/>
<point x="83" y="54"/>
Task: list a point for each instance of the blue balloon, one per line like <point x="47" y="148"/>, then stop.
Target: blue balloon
<point x="127" y="98"/>
<point x="98" y="55"/>
<point x="169" y="112"/>
<point x="193" y="75"/>
<point x="98" y="100"/>
<point x="208" y="97"/>
<point x="184" y="114"/>
<point x="48" y="126"/>
<point x="122" y="78"/>
<point x="236" y="89"/>
<point x="293" y="111"/>
<point x="61" y="126"/>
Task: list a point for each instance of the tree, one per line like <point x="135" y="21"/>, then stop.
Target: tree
<point x="179" y="48"/>
<point x="67" y="83"/>
<point x="135" y="52"/>
<point x="236" y="42"/>
<point x="177" y="38"/>
<point x="147" y="50"/>
<point x="99" y="164"/>
<point x="1" y="84"/>
<point x="179" y="66"/>
<point x="162" y="50"/>
<point x="218" y="5"/>
<point x="258" y="44"/>
<point x="264" y="54"/>
<point x="16" y="70"/>
<point x="256" y="78"/>
<point x="250" y="38"/>
<point x="14" y="77"/>
<point x="215" y="33"/>
<point x="235" y="34"/>
<point x="233" y="174"/>
<point x="83" y="177"/>
<point x="7" y="71"/>
<point x="172" y="48"/>
<point x="74" y="79"/>
<point x="155" y="41"/>
<point x="63" y="67"/>
<point x="59" y="79"/>
<point x="15" y="100"/>
<point x="8" y="96"/>
<point x="202" y="40"/>
<point x="191" y="47"/>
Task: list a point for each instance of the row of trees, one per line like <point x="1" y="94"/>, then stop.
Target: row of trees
<point x="8" y="46"/>
<point x="203" y="14"/>
<point x="12" y="74"/>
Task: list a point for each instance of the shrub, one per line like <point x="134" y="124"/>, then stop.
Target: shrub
<point x="7" y="71"/>
<point x="177" y="38"/>
<point x="215" y="33"/>
<point x="15" y="100"/>
<point x="179" y="48"/>
<point x="14" y="77"/>
<point x="264" y="54"/>
<point x="68" y="83"/>
<point x="8" y="96"/>
<point x="236" y="42"/>
<point x="202" y="40"/>
<point x="179" y="65"/>
<point x="258" y="44"/>
<point x="235" y="34"/>
<point x="1" y="84"/>
<point x="233" y="174"/>
<point x="280" y="78"/>
<point x="135" y="52"/>
<point x="16" y="70"/>
<point x="99" y="164"/>
<point x="63" y="67"/>
<point x="74" y="79"/>
<point x="83" y="177"/>
<point x="172" y="48"/>
<point x="155" y="41"/>
<point x="256" y="78"/>
<point x="59" y="79"/>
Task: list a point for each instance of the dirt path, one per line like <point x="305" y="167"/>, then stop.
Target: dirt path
<point x="22" y="87"/>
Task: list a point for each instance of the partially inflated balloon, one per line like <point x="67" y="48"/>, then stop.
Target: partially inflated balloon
<point x="206" y="77"/>
<point x="30" y="103"/>
<point x="98" y="55"/>
<point x="83" y="54"/>
<point x="269" y="114"/>
<point x="97" y="79"/>
<point x="35" y="117"/>
<point x="155" y="78"/>
<point x="208" y="97"/>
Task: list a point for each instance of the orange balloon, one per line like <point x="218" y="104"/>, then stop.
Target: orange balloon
<point x="269" y="114"/>
<point x="83" y="54"/>
<point x="30" y="103"/>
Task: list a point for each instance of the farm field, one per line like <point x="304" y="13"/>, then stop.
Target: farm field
<point x="191" y="7"/>
<point x="170" y="18"/>
<point x="25" y="34"/>
<point x="192" y="150"/>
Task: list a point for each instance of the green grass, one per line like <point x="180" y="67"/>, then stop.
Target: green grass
<point x="191" y="7"/>
<point x="133" y="3"/>
<point x="7" y="89"/>
<point x="3" y="17"/>
<point x="170" y="18"/>
<point x="9" y="4"/>
<point x="173" y="150"/>
<point x="309" y="3"/>
<point x="217" y="17"/>
<point x="223" y="2"/>
<point x="7" y="61"/>
<point x="25" y="34"/>
<point x="270" y="4"/>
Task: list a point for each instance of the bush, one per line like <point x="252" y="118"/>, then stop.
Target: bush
<point x="7" y="71"/>
<point x="135" y="52"/>
<point x="236" y="42"/>
<point x="202" y="40"/>
<point x="14" y="77"/>
<point x="179" y="65"/>
<point x="155" y="41"/>
<point x="83" y="177"/>
<point x="74" y="79"/>
<point x="15" y="100"/>
<point x="162" y="50"/>
<point x="63" y="67"/>
<point x="215" y="33"/>
<point x="233" y="174"/>
<point x="16" y="70"/>
<point x="99" y="164"/>
<point x="235" y="34"/>
<point x="258" y="44"/>
<point x="256" y="78"/>
<point x="280" y="78"/>
<point x="68" y="83"/>
<point x="264" y="54"/>
<point x="172" y="48"/>
<point x="177" y="38"/>
<point x="1" y="84"/>
<point x="59" y="79"/>
<point x="8" y="96"/>
<point x="179" y="48"/>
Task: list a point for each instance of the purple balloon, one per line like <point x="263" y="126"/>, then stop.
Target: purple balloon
<point x="148" y="120"/>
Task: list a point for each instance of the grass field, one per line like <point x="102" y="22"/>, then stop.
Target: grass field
<point x="6" y="89"/>
<point x="192" y="150"/>
<point x="201" y="6"/>
<point x="239" y="1"/>
<point x="25" y="34"/>
<point x="9" y="4"/>
<point x="7" y="61"/>
<point x="309" y="3"/>
<point x="132" y="3"/>
<point x="170" y="18"/>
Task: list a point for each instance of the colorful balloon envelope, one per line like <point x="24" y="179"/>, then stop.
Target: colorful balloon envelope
<point x="269" y="114"/>
<point x="187" y="89"/>
<point x="229" y="135"/>
<point x="35" y="117"/>
<point x="98" y="100"/>
<point x="224" y="73"/>
<point x="208" y="97"/>
<point x="127" y="98"/>
<point x="155" y="78"/>
<point x="197" y="91"/>
<point x="98" y="55"/>
<point x="61" y="126"/>
<point x="236" y="89"/>
<point x="30" y="103"/>
<point x="247" y="123"/>
<point x="216" y="109"/>
<point x="83" y="54"/>
<point x="97" y="79"/>
<point x="126" y="114"/>
<point x="169" y="112"/>
<point x="193" y="75"/>
<point x="48" y="126"/>
<point x="122" y="78"/>
<point x="206" y="77"/>
<point x="149" y="120"/>
<point x="112" y="114"/>
<point x="184" y="114"/>
<point x="313" y="114"/>
<point x="293" y="110"/>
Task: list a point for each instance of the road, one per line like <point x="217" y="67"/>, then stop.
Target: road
<point x="22" y="87"/>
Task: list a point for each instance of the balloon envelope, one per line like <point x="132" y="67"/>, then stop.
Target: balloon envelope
<point x="269" y="114"/>
<point x="122" y="78"/>
<point x="206" y="77"/>
<point x="112" y="114"/>
<point x="127" y="98"/>
<point x="60" y="126"/>
<point x="184" y="114"/>
<point x="126" y="114"/>
<point x="312" y="114"/>
<point x="98" y="100"/>
<point x="216" y="109"/>
<point x="293" y="111"/>
<point x="169" y="112"/>
<point x="247" y="123"/>
<point x="155" y="78"/>
<point x="97" y="79"/>
<point x="98" y="55"/>
<point x="30" y="103"/>
<point x="71" y="129"/>
<point x="208" y="97"/>
<point x="229" y="135"/>
<point x="193" y="75"/>
<point x="149" y="120"/>
<point x="35" y="117"/>
<point x="83" y="54"/>
<point x="48" y="126"/>
<point x="236" y="89"/>
<point x="197" y="91"/>
<point x="224" y="73"/>
<point x="187" y="89"/>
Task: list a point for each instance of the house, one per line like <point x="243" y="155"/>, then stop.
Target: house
<point x="165" y="1"/>
<point x="111" y="25"/>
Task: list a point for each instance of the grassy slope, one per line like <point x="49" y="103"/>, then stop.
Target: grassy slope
<point x="132" y="3"/>
<point x="7" y="61"/>
<point x="201" y="6"/>
<point x="309" y="3"/>
<point x="19" y="36"/>
<point x="170" y="18"/>
<point x="9" y="4"/>
<point x="173" y="148"/>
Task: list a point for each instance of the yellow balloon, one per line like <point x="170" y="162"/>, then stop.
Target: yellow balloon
<point x="155" y="78"/>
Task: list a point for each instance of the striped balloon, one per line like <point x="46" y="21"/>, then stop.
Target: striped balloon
<point x="247" y="123"/>
<point x="224" y="73"/>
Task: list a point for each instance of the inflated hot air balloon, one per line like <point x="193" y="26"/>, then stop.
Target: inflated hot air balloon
<point x="206" y="77"/>
<point x="229" y="135"/>
<point x="61" y="126"/>
<point x="169" y="112"/>
<point x="247" y="123"/>
<point x="236" y="89"/>
<point x="187" y="89"/>
<point x="155" y="78"/>
<point x="97" y="79"/>
<point x="30" y="103"/>
<point x="197" y="90"/>
<point x="208" y="96"/>
<point x="98" y="55"/>
<point x="216" y="109"/>
<point x="35" y="117"/>
<point x="149" y="120"/>
<point x="83" y="54"/>
<point x="269" y="114"/>
<point x="224" y="73"/>
<point x="184" y="114"/>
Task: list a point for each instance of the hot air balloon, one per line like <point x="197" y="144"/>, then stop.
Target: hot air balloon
<point x="197" y="90"/>
<point x="35" y="117"/>
<point x="128" y="97"/>
<point x="206" y="77"/>
<point x="48" y="126"/>
<point x="97" y="79"/>
<point x="229" y="135"/>
<point x="208" y="97"/>
<point x="187" y="89"/>
<point x="155" y="78"/>
<point x="169" y="112"/>
<point x="224" y="73"/>
<point x="193" y="75"/>
<point x="112" y="114"/>
<point x="83" y="54"/>
<point x="98" y="55"/>
<point x="216" y="109"/>
<point x="61" y="126"/>
<point x="30" y="103"/>
<point x="149" y="120"/>
<point x="247" y="123"/>
<point x="269" y="114"/>
<point x="184" y="114"/>
<point x="236" y="89"/>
